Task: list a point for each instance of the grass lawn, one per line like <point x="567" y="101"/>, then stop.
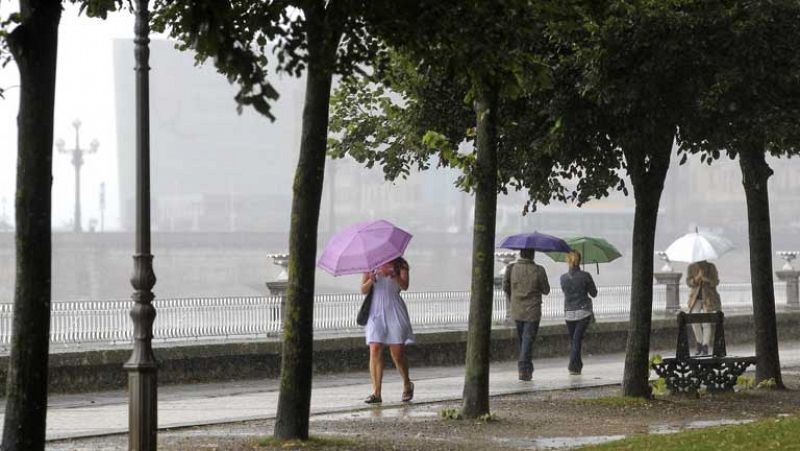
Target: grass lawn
<point x="778" y="433"/>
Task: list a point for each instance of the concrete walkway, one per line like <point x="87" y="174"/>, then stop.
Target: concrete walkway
<point x="95" y="414"/>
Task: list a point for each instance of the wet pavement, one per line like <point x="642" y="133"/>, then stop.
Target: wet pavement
<point x="336" y="395"/>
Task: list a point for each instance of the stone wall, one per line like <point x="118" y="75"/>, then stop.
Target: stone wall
<point x="79" y="371"/>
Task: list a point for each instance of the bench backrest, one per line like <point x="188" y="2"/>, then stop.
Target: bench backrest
<point x="682" y="348"/>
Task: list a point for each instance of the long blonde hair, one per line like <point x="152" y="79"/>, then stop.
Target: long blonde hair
<point x="574" y="259"/>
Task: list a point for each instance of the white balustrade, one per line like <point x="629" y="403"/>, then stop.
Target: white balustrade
<point x="108" y="322"/>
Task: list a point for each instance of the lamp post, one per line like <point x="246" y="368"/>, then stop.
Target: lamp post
<point x="142" y="366"/>
<point x="77" y="161"/>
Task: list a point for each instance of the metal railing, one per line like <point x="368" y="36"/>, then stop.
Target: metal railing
<point x="108" y="322"/>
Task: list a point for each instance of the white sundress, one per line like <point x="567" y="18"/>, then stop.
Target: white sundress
<point x="388" y="317"/>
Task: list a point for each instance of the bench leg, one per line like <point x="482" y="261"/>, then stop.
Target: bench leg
<point x="682" y="377"/>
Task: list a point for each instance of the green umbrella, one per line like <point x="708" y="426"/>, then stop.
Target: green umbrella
<point x="593" y="250"/>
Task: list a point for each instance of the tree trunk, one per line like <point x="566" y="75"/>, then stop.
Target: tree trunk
<point x="33" y="44"/>
<point x="476" y="377"/>
<point x="294" y="400"/>
<point x="755" y="173"/>
<point x="648" y="183"/>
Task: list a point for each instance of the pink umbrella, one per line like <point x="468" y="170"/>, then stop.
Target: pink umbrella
<point x="363" y="247"/>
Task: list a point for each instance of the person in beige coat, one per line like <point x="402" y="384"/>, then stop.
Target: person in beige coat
<point x="702" y="278"/>
<point x="524" y="283"/>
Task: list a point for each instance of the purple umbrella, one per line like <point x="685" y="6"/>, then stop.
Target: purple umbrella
<point x="363" y="247"/>
<point x="536" y="241"/>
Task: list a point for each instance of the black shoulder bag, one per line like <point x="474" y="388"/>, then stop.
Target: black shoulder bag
<point x="363" y="312"/>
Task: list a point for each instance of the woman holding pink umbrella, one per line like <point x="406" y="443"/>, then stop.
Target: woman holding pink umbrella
<point x="388" y="324"/>
<point x="375" y="250"/>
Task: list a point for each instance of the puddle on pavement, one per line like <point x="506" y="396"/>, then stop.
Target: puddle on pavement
<point x="401" y="413"/>
<point x="671" y="428"/>
<point x="713" y="423"/>
<point x="213" y="432"/>
<point x="558" y="442"/>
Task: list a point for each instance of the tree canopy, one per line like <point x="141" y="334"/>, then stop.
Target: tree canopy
<point x="411" y="114"/>
<point x="750" y="96"/>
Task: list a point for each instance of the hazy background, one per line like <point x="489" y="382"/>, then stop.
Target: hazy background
<point x="221" y="187"/>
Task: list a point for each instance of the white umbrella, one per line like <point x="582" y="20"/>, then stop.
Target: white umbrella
<point x="697" y="246"/>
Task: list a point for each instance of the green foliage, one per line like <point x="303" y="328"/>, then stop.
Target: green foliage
<point x="655" y="359"/>
<point x="638" y="62"/>
<point x="659" y="387"/>
<point x="457" y="414"/>
<point x="415" y="110"/>
<point x="767" y="384"/>
<point x="770" y="434"/>
<point x="745" y="382"/>
<point x="749" y="91"/>
<point x="451" y="414"/>
<point x="6" y="24"/>
<point x="101" y="8"/>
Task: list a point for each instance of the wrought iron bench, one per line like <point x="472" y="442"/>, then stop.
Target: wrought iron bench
<point x="718" y="372"/>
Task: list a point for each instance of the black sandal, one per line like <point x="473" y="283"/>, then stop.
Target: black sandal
<point x="372" y="399"/>
<point x="408" y="395"/>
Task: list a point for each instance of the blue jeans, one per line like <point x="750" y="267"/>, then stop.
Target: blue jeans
<point x="526" y="332"/>
<point x="576" y="330"/>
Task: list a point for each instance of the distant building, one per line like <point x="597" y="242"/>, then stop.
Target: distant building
<point x="211" y="168"/>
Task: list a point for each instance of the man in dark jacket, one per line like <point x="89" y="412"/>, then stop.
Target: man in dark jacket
<point x="524" y="283"/>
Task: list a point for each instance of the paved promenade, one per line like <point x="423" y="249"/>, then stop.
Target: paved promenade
<point x="94" y="414"/>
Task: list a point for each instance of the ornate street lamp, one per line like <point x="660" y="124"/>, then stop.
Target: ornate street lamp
<point x="77" y="161"/>
<point x="142" y="366"/>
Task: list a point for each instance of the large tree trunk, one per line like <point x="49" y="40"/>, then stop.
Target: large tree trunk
<point x="647" y="178"/>
<point x="294" y="400"/>
<point x="33" y="44"/>
<point x="476" y="377"/>
<point x="755" y="173"/>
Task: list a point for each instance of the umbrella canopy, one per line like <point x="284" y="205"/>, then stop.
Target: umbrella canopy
<point x="697" y="246"/>
<point x="363" y="247"/>
<point x="535" y="241"/>
<point x="593" y="250"/>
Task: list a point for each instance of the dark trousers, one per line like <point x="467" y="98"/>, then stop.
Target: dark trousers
<point x="576" y="330"/>
<point x="526" y="332"/>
